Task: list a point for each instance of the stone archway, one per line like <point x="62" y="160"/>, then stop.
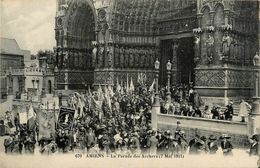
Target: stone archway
<point x="75" y="31"/>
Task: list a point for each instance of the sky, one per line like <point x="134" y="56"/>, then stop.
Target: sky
<point x="30" y="22"/>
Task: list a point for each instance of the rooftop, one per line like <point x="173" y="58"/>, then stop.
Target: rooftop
<point x="10" y="46"/>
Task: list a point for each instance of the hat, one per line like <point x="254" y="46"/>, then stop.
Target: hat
<point x="172" y="138"/>
<point x="212" y="137"/>
<point x="203" y="138"/>
<point x="201" y="142"/>
<point x="225" y="136"/>
<point x="178" y="122"/>
<point x="255" y="137"/>
<point x="134" y="134"/>
<point x="168" y="132"/>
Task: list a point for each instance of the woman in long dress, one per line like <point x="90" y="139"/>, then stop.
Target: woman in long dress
<point x="244" y="108"/>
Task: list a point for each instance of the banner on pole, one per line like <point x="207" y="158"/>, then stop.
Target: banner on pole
<point x="46" y="124"/>
<point x="66" y="118"/>
<point x="23" y="117"/>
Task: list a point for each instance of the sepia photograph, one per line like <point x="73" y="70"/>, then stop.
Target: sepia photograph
<point x="129" y="83"/>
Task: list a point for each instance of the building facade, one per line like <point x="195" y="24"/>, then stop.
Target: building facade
<point x="210" y="43"/>
<point x="11" y="56"/>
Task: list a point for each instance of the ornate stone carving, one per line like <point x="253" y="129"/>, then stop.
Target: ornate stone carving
<point x="210" y="78"/>
<point x="110" y="53"/>
<point x="94" y="53"/>
<point x="116" y="56"/>
<point x="66" y="60"/>
<point x="101" y="57"/>
<point x="131" y="57"/>
<point x="226" y="42"/>
<point x="175" y="46"/>
<point x="121" y="55"/>
<point x="210" y="48"/>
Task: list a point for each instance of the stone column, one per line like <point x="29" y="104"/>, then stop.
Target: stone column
<point x="175" y="46"/>
<point x="254" y="116"/>
<point x="156" y="105"/>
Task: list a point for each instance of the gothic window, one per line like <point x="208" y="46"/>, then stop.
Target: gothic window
<point x="205" y="20"/>
<point x="219" y="16"/>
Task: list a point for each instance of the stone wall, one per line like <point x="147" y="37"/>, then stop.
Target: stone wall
<point x="238" y="131"/>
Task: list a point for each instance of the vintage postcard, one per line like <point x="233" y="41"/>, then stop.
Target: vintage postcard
<point x="129" y="83"/>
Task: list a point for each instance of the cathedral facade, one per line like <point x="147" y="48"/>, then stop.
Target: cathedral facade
<point x="210" y="43"/>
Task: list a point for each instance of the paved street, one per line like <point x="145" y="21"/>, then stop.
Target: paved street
<point x="240" y="159"/>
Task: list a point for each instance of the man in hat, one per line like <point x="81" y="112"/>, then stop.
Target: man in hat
<point x="161" y="139"/>
<point x="134" y="144"/>
<point x="193" y="144"/>
<point x="182" y="142"/>
<point x="215" y="112"/>
<point x="90" y="139"/>
<point x="212" y="145"/>
<point x="152" y="143"/>
<point x="29" y="143"/>
<point x="254" y="147"/>
<point x="226" y="145"/>
<point x="9" y="144"/>
<point x="229" y="112"/>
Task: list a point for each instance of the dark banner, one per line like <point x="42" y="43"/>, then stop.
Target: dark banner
<point x="66" y="118"/>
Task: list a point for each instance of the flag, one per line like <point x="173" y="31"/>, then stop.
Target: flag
<point x="89" y="91"/>
<point x="138" y="78"/>
<point x="23" y="117"/>
<point x="152" y="86"/>
<point x="132" y="88"/>
<point x="100" y="94"/>
<point x="122" y="87"/>
<point x="31" y="116"/>
<point x="127" y="84"/>
<point x="110" y="90"/>
<point x="46" y="124"/>
<point x="118" y="87"/>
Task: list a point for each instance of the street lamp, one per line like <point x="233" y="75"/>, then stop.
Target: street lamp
<point x="56" y="70"/>
<point x="156" y="106"/>
<point x="157" y="67"/>
<point x="256" y="102"/>
<point x="253" y="120"/>
<point x="169" y="68"/>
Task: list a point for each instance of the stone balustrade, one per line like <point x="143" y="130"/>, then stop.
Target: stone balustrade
<point x="26" y="71"/>
<point x="238" y="131"/>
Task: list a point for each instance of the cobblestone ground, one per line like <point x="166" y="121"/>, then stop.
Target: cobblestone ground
<point x="240" y="159"/>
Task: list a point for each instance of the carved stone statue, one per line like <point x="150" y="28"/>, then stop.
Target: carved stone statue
<point x="110" y="55"/>
<point x="226" y="42"/>
<point x="126" y="57"/>
<point x="121" y="55"/>
<point x="146" y="54"/>
<point x="80" y="60"/>
<point x="116" y="56"/>
<point x="131" y="57"/>
<point x="174" y="52"/>
<point x="210" y="45"/>
<point x="65" y="60"/>
<point x="152" y="57"/>
<point x="142" y="57"/>
<point x="60" y="58"/>
<point x="100" y="56"/>
<point x="136" y="57"/>
<point x="197" y="46"/>
<point x="94" y="55"/>
<point x="76" y="63"/>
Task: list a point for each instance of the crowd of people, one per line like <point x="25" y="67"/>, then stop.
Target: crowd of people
<point x="120" y="122"/>
<point x="186" y="101"/>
